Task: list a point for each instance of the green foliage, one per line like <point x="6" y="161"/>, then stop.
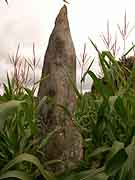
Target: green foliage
<point x="20" y="140"/>
<point x="105" y="117"/>
<point x="119" y="164"/>
<point x="5" y="172"/>
<point x="107" y="114"/>
<point x="93" y="174"/>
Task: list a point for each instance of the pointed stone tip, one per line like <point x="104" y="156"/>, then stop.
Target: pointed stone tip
<point x="62" y="16"/>
<point x="63" y="10"/>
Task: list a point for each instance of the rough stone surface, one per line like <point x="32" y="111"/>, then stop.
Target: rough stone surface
<point x="59" y="59"/>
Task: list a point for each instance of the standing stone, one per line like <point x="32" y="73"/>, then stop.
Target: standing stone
<point x="59" y="59"/>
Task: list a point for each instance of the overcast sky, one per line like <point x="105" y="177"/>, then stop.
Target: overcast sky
<point x="28" y="21"/>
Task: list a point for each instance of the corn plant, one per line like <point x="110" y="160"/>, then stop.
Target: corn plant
<point x="83" y="62"/>
<point x="107" y="113"/>
<point x="20" y="139"/>
<point x="110" y="43"/>
<point x="125" y="31"/>
<point x="10" y="170"/>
